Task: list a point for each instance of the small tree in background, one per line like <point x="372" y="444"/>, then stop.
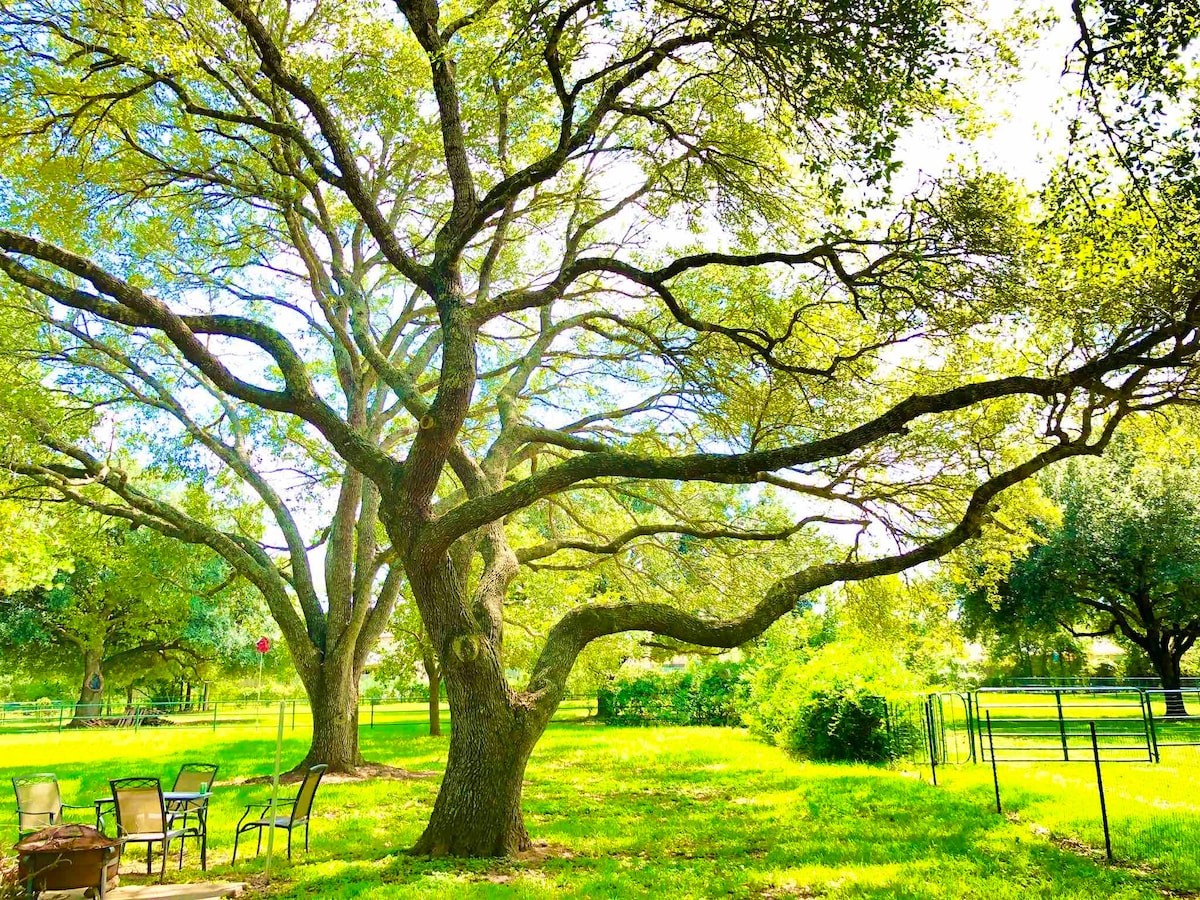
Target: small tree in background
<point x="1123" y="560"/>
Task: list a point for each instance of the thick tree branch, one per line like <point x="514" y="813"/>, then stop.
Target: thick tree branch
<point x="585" y="624"/>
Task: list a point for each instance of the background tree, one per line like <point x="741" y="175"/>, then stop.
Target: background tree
<point x="125" y="602"/>
<point x="1123" y="561"/>
<point x="1018" y="641"/>
<point x="408" y="651"/>
<point x="465" y="262"/>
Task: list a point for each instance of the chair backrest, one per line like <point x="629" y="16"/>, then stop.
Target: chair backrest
<point x="39" y="802"/>
<point x="139" y="805"/>
<point x="308" y="790"/>
<point x="192" y="775"/>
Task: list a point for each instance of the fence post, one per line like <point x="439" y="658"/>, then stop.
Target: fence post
<point x="214" y="706"/>
<point x="931" y="739"/>
<point x="1100" y="787"/>
<point x="1153" y="727"/>
<point x="992" y="754"/>
<point x="1151" y="732"/>
<point x="372" y="712"/>
<point x="1062" y="725"/>
<point x="60" y="712"/>
<point x="970" y="726"/>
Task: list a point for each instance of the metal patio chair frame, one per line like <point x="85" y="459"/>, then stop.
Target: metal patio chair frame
<point x="191" y="776"/>
<point x="52" y="816"/>
<point x="300" y="814"/>
<point x="149" y="838"/>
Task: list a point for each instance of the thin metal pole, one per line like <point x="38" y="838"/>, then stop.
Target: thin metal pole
<point x="1062" y="726"/>
<point x="275" y="789"/>
<point x="970" y="725"/>
<point x="1152" y="731"/>
<point x="1100" y="788"/>
<point x="931" y="740"/>
<point x="992" y="754"/>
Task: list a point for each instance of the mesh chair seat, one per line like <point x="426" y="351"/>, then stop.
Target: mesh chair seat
<point x="145" y="836"/>
<point x="301" y="809"/>
<point x="39" y="802"/>
<point x="280" y="822"/>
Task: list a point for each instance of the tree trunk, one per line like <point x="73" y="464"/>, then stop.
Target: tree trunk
<point x="1169" y="674"/>
<point x="435" y="705"/>
<point x="478" y="807"/>
<point x="434" y="678"/>
<point x="90" y="704"/>
<point x="334" y="703"/>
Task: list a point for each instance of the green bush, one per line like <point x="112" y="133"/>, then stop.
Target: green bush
<point x="699" y="695"/>
<point x="849" y="727"/>
<point x="832" y="706"/>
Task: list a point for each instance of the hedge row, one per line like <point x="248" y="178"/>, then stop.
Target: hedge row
<point x="703" y="695"/>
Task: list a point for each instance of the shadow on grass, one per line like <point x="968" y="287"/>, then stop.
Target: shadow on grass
<point x="629" y="812"/>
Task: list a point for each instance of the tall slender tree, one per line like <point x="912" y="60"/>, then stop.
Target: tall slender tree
<point x="455" y="262"/>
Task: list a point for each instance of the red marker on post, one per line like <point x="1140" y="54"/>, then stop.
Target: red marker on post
<point x="263" y="645"/>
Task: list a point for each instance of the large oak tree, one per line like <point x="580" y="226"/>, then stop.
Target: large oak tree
<point x="455" y="262"/>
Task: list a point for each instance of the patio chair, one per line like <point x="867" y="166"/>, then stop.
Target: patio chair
<point x="142" y="818"/>
<point x="300" y="808"/>
<point x="39" y="803"/>
<point x="191" y="816"/>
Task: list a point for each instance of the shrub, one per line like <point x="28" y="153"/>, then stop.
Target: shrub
<point x="843" y="726"/>
<point x="832" y="706"/>
<point x="702" y="694"/>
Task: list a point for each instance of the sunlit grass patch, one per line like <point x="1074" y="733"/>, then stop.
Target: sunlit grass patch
<point x="651" y="812"/>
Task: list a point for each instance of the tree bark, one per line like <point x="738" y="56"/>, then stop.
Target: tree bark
<point x="333" y="700"/>
<point x="434" y="677"/>
<point x="478" y="806"/>
<point x="90" y="704"/>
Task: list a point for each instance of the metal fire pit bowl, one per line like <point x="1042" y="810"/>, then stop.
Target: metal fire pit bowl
<point x="68" y="857"/>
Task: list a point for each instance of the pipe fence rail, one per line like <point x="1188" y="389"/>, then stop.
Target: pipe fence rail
<point x="1112" y="767"/>
<point x="1133" y="681"/>
<point x="1043" y="723"/>
<point x="33" y="718"/>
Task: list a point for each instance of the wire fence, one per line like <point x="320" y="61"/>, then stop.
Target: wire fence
<point x="33" y="718"/>
<point x="1111" y="771"/>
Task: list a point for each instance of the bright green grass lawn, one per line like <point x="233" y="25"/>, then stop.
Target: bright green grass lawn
<point x="1153" y="809"/>
<point x="663" y="812"/>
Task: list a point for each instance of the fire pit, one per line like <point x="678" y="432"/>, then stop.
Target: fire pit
<point x="67" y="857"/>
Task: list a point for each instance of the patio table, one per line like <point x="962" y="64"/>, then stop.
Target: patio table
<point x="200" y="798"/>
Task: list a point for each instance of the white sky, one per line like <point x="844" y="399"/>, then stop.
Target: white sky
<point x="1027" y="116"/>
